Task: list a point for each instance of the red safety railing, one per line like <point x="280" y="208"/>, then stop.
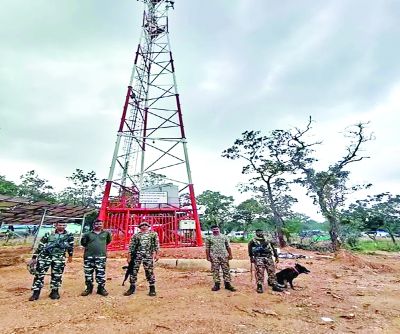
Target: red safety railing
<point x="123" y="223"/>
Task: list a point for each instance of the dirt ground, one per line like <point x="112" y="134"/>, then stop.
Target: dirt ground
<point x="359" y="294"/>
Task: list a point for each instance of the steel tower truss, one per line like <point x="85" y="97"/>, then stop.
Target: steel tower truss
<point x="151" y="141"/>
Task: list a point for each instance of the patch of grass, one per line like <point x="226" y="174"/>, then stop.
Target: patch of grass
<point x="239" y="240"/>
<point x="365" y="246"/>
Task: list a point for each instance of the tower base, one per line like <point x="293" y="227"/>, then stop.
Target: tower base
<point x="169" y="224"/>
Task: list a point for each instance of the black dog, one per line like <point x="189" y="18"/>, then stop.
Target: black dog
<point x="289" y="274"/>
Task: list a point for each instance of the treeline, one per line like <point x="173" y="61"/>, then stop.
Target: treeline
<point x="276" y="161"/>
<point x="249" y="215"/>
<point x="363" y="218"/>
<point x="84" y="189"/>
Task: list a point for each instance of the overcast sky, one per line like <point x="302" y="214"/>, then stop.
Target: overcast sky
<point x="241" y="65"/>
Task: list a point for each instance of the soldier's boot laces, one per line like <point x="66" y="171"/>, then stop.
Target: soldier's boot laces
<point x="276" y="287"/>
<point x="130" y="291"/>
<point x="260" y="288"/>
<point x="54" y="294"/>
<point x="88" y="290"/>
<point x="35" y="295"/>
<point x="216" y="287"/>
<point x="102" y="291"/>
<point x="229" y="287"/>
<point x="152" y="290"/>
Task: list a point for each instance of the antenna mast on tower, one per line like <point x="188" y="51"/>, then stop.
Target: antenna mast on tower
<point x="150" y="171"/>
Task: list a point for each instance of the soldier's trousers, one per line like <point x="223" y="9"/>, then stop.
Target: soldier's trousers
<point x="44" y="262"/>
<point x="262" y="264"/>
<point x="148" y="265"/>
<point x="96" y="264"/>
<point x="216" y="264"/>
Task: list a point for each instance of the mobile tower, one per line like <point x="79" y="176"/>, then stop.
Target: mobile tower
<point x="150" y="177"/>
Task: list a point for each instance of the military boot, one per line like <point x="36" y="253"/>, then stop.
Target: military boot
<point x="54" y="294"/>
<point x="216" y="286"/>
<point x="260" y="288"/>
<point x="229" y="287"/>
<point x="152" y="290"/>
<point x="35" y="295"/>
<point x="131" y="290"/>
<point x="276" y="284"/>
<point x="89" y="289"/>
<point x="102" y="291"/>
<point x="276" y="288"/>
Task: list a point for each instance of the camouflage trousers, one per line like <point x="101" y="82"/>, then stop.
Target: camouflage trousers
<point x="96" y="264"/>
<point x="148" y="265"/>
<point x="44" y="262"/>
<point x="216" y="264"/>
<point x="262" y="264"/>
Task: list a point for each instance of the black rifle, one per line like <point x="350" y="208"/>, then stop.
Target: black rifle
<point x="129" y="269"/>
<point x="60" y="244"/>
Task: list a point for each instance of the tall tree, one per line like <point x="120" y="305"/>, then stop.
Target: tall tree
<point x="357" y="218"/>
<point x="84" y="191"/>
<point x="268" y="162"/>
<point x="184" y="200"/>
<point x="329" y="188"/>
<point x="387" y="207"/>
<point x="218" y="208"/>
<point x="246" y="214"/>
<point x="380" y="211"/>
<point x="35" y="188"/>
<point x="296" y="223"/>
<point x="8" y="187"/>
<point x="153" y="179"/>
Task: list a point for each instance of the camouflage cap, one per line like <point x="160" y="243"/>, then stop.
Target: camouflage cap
<point x="144" y="223"/>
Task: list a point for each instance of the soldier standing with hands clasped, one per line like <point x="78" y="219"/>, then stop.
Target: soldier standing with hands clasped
<point x="218" y="252"/>
<point x="95" y="257"/>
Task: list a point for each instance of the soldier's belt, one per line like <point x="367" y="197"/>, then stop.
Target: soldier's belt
<point x="263" y="255"/>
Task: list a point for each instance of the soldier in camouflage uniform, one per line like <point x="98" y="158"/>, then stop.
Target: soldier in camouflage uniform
<point x="218" y="252"/>
<point x="262" y="253"/>
<point x="51" y="253"/>
<point x="95" y="257"/>
<point x="143" y="248"/>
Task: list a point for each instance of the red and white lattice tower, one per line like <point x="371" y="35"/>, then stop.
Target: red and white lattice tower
<point x="150" y="171"/>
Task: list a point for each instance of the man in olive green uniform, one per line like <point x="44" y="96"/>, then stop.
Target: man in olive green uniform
<point x="218" y="252"/>
<point x="51" y="253"/>
<point x="262" y="253"/>
<point x="95" y="257"/>
<point x="143" y="248"/>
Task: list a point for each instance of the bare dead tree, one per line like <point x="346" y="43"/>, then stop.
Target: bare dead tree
<point x="269" y="163"/>
<point x="328" y="188"/>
